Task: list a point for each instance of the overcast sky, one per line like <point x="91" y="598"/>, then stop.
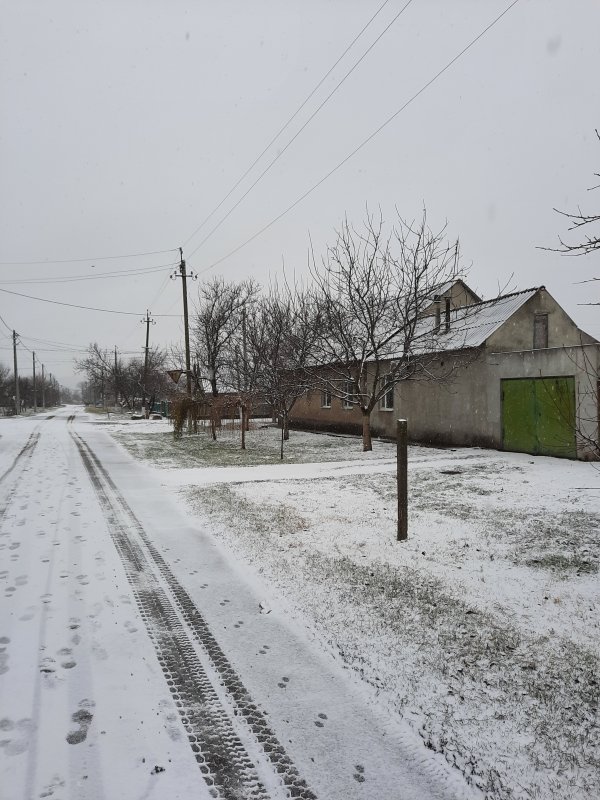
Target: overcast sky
<point x="124" y="124"/>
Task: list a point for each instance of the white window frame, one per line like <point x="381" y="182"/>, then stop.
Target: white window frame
<point x="326" y="398"/>
<point x="384" y="399"/>
<point x="349" y="390"/>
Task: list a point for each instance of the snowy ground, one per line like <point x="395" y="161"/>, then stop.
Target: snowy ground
<point x="140" y="659"/>
<point x="481" y="631"/>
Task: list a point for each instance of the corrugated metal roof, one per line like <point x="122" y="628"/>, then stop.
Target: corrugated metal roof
<point x="470" y="326"/>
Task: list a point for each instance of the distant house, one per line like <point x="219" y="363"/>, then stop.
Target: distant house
<point x="512" y="373"/>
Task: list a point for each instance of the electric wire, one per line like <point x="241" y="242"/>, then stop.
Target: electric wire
<point x="85" y="308"/>
<point x="286" y="124"/>
<point x="308" y="121"/>
<point x="364" y="142"/>
<point x="9" y="329"/>
<point x="75" y="278"/>
<point x="97" y="258"/>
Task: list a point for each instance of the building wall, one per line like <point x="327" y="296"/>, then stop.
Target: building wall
<point x="460" y="295"/>
<point x="466" y="410"/>
<point x="309" y="413"/>
<point x="517" y="332"/>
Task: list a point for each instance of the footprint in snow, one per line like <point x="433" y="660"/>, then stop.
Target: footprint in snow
<point x="56" y="783"/>
<point x="283" y="682"/>
<point x="319" y="722"/>
<point x="359" y="775"/>
<point x="83" y="718"/>
<point x="20" y="734"/>
<point x="4" y="658"/>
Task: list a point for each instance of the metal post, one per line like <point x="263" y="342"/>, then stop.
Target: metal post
<point x="402" y="468"/>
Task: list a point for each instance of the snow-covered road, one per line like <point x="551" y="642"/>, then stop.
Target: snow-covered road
<point x="136" y="660"/>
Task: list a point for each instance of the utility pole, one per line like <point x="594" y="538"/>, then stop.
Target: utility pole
<point x="147" y="322"/>
<point x="34" y="389"/>
<point x="244" y="348"/>
<point x="17" y="398"/>
<point x="43" y="389"/>
<point x="116" y="386"/>
<point x="188" y="371"/>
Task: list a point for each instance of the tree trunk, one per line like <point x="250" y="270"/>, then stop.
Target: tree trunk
<point x="243" y="427"/>
<point x="366" y="431"/>
<point x="286" y="426"/>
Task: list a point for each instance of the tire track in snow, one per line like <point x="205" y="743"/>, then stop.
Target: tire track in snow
<point x="219" y="751"/>
<point x="27" y="449"/>
<point x="22" y="457"/>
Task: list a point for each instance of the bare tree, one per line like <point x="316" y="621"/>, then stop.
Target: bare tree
<point x="373" y="288"/>
<point x="217" y="321"/>
<point x="125" y="379"/>
<point x="5" y="392"/>
<point x="97" y="367"/>
<point x="282" y="333"/>
<point x="581" y="222"/>
<point x="587" y="427"/>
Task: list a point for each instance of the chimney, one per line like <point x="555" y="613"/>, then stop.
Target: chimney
<point x="447" y="314"/>
<point x="438" y="313"/>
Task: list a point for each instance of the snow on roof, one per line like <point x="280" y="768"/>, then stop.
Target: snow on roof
<point x="471" y="325"/>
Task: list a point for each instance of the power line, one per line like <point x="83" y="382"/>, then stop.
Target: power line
<point x="8" y="328"/>
<point x="73" y="278"/>
<point x="96" y="258"/>
<point x="48" y="341"/>
<point x="308" y="121"/>
<point x="85" y="308"/>
<point x="281" y="130"/>
<point x="363" y="143"/>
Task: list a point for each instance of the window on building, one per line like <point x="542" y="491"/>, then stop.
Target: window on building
<point x="326" y="399"/>
<point x="540" y="331"/>
<point x="387" y="400"/>
<point x="349" y="394"/>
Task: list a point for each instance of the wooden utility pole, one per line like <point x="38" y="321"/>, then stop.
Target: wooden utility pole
<point x="17" y="398"/>
<point x="402" y="467"/>
<point x="188" y="370"/>
<point x="147" y="321"/>
<point x="116" y="386"/>
<point x="244" y="348"/>
<point x="34" y="388"/>
<point x="43" y="389"/>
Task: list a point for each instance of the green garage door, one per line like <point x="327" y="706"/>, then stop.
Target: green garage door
<point x="538" y="416"/>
